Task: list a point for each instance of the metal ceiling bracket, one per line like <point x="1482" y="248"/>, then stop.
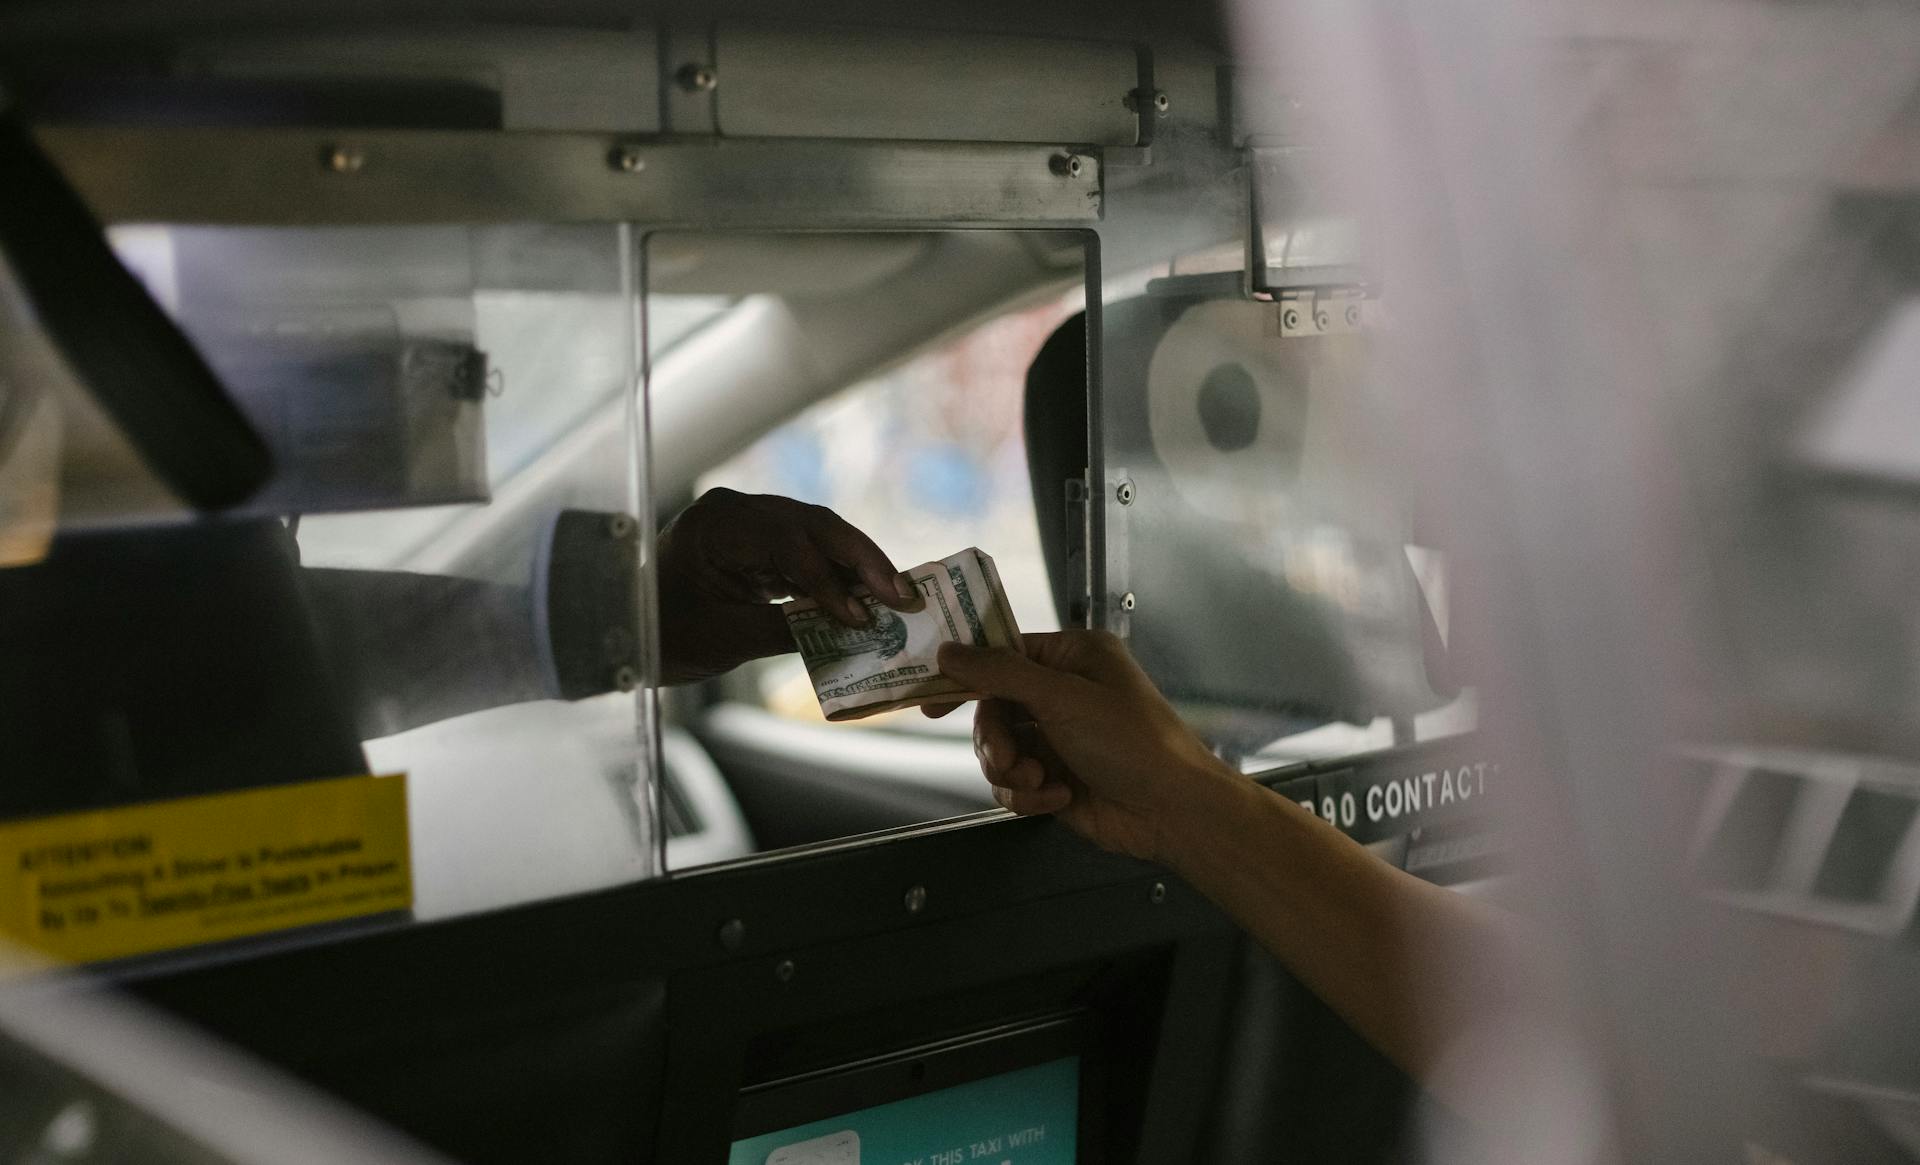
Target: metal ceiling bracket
<point x="1301" y="237"/>
<point x="268" y="177"/>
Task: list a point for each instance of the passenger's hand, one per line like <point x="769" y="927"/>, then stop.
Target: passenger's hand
<point x="1106" y="754"/>
<point x="729" y="555"/>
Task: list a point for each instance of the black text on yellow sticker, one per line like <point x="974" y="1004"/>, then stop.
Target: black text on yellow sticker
<point x="115" y="882"/>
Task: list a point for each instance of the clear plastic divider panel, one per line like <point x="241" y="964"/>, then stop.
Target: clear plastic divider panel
<point x="453" y="526"/>
<point x="1263" y="550"/>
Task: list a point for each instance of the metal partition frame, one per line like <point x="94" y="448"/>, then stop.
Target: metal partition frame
<point x="1184" y="187"/>
<point x="303" y="177"/>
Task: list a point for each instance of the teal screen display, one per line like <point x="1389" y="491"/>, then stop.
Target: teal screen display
<point x="1026" y="1117"/>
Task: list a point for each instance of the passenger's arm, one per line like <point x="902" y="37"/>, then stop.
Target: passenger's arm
<point x="1411" y="966"/>
<point x="728" y="554"/>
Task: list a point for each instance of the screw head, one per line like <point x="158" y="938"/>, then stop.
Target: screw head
<point x="1321" y="319"/>
<point x="627" y="159"/>
<point x="696" y="78"/>
<point x="916" y="899"/>
<point x="625" y="679"/>
<point x="1160" y="101"/>
<point x="1353" y="314"/>
<point x="732" y="934"/>
<point x="343" y="159"/>
<point x="1290" y="318"/>
<point x="620" y="526"/>
<point x="1158" y="893"/>
<point x="783" y="970"/>
<point x="1124" y="493"/>
<point x="1067" y="165"/>
<point x="1127" y="601"/>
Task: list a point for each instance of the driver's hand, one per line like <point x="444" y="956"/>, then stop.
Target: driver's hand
<point x="729" y="555"/>
<point x="1074" y="728"/>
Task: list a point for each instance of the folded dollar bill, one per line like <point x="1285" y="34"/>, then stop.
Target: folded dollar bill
<point x="890" y="663"/>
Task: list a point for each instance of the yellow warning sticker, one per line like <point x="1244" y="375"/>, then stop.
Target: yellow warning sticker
<point x="109" y="883"/>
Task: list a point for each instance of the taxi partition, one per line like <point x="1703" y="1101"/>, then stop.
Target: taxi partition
<point x="371" y="772"/>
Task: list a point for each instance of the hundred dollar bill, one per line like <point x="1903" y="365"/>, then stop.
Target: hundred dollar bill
<point x="891" y="662"/>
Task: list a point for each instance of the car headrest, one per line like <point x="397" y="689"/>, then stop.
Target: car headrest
<point x="1267" y="556"/>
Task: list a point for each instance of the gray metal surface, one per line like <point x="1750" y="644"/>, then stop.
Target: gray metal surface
<point x="689" y="83"/>
<point x="280" y="177"/>
<point x="547" y="79"/>
<point x="874" y="84"/>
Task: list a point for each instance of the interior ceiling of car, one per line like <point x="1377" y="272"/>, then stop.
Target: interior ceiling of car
<point x="56" y="20"/>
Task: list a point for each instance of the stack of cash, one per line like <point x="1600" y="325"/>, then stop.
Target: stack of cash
<point x="890" y="663"/>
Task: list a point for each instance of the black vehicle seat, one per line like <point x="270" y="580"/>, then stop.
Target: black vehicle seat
<point x="162" y="662"/>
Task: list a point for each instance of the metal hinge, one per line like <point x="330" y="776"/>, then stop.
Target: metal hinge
<point x="1322" y="311"/>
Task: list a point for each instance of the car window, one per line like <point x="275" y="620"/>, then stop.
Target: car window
<point x="927" y="458"/>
